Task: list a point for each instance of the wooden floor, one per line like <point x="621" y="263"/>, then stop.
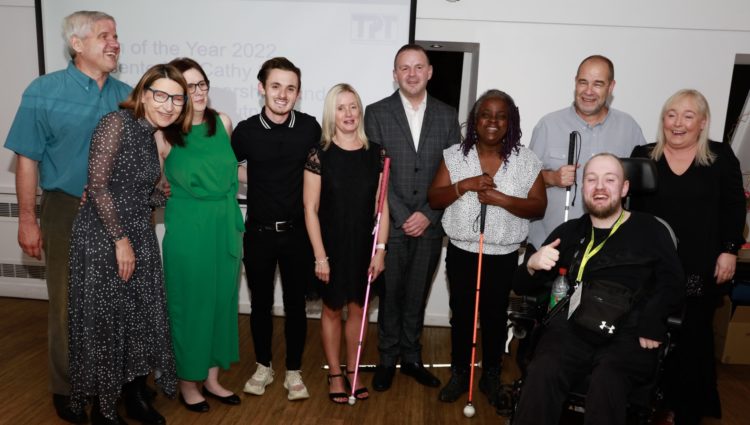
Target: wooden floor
<point x="24" y="399"/>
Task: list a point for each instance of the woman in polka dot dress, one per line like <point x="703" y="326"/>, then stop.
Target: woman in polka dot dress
<point x="119" y="331"/>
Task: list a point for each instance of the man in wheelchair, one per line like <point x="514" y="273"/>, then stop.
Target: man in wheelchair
<point x="625" y="279"/>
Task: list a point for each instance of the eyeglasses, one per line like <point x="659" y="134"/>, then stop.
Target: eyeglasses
<point x="203" y="85"/>
<point x="162" y="97"/>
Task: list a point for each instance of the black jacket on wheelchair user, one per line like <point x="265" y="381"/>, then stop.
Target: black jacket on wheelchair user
<point x="639" y="255"/>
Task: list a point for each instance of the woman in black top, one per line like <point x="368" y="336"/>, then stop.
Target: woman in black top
<point x="340" y="193"/>
<point x="700" y="195"/>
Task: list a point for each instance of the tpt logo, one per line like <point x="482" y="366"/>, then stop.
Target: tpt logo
<point x="370" y="27"/>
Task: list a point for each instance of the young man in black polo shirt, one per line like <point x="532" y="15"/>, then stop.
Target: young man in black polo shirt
<point x="274" y="146"/>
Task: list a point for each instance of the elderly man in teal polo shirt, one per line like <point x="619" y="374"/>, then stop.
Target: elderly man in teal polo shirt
<point x="50" y="136"/>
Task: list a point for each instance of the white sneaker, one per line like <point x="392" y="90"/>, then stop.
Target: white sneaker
<point x="293" y="383"/>
<point x="261" y="378"/>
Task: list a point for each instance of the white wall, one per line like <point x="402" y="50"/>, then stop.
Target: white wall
<point x="20" y="66"/>
<point x="18" y="50"/>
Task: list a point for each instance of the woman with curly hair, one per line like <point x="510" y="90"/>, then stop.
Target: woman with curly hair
<point x="488" y="167"/>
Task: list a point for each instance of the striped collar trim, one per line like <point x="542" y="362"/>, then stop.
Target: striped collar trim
<point x="268" y="125"/>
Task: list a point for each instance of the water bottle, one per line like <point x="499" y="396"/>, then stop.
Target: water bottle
<point x="559" y="288"/>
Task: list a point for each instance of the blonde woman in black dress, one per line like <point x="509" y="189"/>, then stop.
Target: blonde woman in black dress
<point x="340" y="196"/>
<point x="700" y="195"/>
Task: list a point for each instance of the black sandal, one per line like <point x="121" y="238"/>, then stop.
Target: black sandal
<point x="335" y="396"/>
<point x="358" y="394"/>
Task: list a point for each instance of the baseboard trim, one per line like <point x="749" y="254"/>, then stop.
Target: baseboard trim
<point x="35" y="289"/>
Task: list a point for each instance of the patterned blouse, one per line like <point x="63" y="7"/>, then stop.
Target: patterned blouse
<point x="503" y="231"/>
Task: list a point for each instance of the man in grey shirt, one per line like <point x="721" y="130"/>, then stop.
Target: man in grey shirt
<point x="601" y="129"/>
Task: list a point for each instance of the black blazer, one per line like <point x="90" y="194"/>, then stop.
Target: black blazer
<point x="412" y="170"/>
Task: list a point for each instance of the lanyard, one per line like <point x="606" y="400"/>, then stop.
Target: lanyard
<point x="591" y="252"/>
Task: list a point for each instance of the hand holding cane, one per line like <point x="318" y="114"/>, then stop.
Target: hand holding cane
<point x="381" y="200"/>
<point x="571" y="159"/>
<point x="469" y="410"/>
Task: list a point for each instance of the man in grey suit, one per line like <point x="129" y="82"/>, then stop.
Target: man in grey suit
<point x="414" y="128"/>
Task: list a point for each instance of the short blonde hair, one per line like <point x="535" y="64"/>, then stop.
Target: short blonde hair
<point x="329" y="115"/>
<point x="703" y="156"/>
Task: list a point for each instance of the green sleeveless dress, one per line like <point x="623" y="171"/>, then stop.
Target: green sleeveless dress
<point x="202" y="249"/>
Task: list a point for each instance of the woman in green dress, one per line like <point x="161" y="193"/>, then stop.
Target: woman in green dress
<point x="202" y="248"/>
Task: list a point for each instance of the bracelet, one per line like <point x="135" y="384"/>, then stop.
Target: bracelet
<point x="321" y="262"/>
<point x="382" y="246"/>
<point x="458" y="192"/>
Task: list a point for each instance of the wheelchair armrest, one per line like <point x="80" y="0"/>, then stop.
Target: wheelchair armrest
<point x="540" y="298"/>
<point x="529" y="306"/>
<point x="674" y="322"/>
<point x="526" y="311"/>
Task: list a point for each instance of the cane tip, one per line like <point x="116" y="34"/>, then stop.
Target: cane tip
<point x="352" y="400"/>
<point x="469" y="411"/>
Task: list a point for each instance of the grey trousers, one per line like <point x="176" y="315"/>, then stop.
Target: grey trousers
<point x="57" y="214"/>
<point x="409" y="269"/>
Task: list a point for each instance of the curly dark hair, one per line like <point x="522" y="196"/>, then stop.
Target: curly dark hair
<point x="512" y="139"/>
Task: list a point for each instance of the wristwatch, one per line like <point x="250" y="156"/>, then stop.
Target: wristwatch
<point x="383" y="246"/>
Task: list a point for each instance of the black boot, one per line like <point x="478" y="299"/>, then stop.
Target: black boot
<point x="97" y="418"/>
<point x="138" y="404"/>
<point x="456" y="386"/>
<point x="62" y="407"/>
<point x="491" y="386"/>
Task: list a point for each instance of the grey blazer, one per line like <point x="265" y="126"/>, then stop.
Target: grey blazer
<point x="412" y="170"/>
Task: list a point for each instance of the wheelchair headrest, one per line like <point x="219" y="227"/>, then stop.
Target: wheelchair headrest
<point x="642" y="174"/>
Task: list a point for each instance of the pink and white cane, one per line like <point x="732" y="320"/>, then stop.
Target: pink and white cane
<point x="381" y="200"/>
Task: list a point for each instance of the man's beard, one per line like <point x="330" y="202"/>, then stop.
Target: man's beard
<point x="606" y="211"/>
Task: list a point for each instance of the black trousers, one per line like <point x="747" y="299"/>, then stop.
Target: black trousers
<point x="264" y="249"/>
<point x="497" y="278"/>
<point x="562" y="359"/>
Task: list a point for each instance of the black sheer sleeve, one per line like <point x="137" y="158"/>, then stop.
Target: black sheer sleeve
<point x="312" y="163"/>
<point x="105" y="146"/>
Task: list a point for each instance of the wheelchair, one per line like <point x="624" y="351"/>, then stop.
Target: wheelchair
<point x="527" y="315"/>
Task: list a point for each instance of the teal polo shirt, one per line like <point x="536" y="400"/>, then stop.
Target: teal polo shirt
<point x="54" y="123"/>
